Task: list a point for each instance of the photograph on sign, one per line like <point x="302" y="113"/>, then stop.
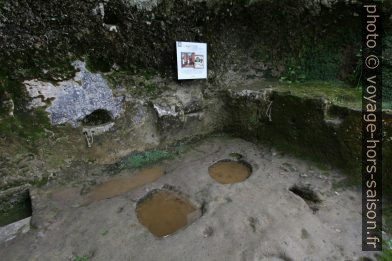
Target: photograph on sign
<point x="191" y="60"/>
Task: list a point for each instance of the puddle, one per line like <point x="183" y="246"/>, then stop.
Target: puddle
<point x="164" y="212"/>
<point x="119" y="186"/>
<point x="229" y="171"/>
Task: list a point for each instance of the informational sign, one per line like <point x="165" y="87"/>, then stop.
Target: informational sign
<point x="191" y="60"/>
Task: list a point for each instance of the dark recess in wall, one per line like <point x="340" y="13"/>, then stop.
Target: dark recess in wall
<point x="98" y="117"/>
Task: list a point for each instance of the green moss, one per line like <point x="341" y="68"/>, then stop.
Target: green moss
<point x="119" y="78"/>
<point x="140" y="82"/>
<point x="310" y="45"/>
<point x="149" y="73"/>
<point x="146" y="158"/>
<point x="314" y="62"/>
<point x="253" y="120"/>
<point x="12" y="88"/>
<point x="335" y="93"/>
<point x="81" y="258"/>
<point x="387" y="215"/>
<point x="387" y="156"/>
<point x="387" y="71"/>
<point x="40" y="182"/>
<point x="96" y="63"/>
<point x="27" y="125"/>
<point x="386" y="254"/>
<point x="387" y="105"/>
<point x="151" y="89"/>
<point x="142" y="159"/>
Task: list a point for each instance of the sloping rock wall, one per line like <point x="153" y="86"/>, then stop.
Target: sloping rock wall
<point x="310" y="128"/>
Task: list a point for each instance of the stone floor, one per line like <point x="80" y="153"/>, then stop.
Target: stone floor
<point x="260" y="218"/>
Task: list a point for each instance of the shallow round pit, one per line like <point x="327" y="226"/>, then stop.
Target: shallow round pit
<point x="164" y="212"/>
<point x="230" y="171"/>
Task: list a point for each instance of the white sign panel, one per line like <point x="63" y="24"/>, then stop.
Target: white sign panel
<point x="191" y="60"/>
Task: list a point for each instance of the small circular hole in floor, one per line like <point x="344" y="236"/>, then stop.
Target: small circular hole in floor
<point x="230" y="171"/>
<point x="163" y="212"/>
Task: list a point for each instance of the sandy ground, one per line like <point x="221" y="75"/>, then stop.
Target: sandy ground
<point x="257" y="219"/>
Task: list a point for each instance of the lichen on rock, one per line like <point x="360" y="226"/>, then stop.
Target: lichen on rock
<point x="142" y="4"/>
<point x="71" y="100"/>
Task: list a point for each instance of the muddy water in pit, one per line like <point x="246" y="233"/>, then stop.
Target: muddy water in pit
<point x="119" y="186"/>
<point x="165" y="212"/>
<point x="229" y="172"/>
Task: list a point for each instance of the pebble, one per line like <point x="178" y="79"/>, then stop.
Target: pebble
<point x="207" y="232"/>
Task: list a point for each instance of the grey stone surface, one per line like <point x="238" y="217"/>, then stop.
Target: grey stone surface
<point x="191" y="99"/>
<point x="140" y="114"/>
<point x="99" y="129"/>
<point x="258" y="219"/>
<point x="12" y="230"/>
<point x="179" y="102"/>
<point x="173" y="108"/>
<point x="72" y="100"/>
<point x="164" y="108"/>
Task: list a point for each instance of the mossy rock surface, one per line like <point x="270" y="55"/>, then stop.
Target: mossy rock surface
<point x="15" y="207"/>
<point x="311" y="128"/>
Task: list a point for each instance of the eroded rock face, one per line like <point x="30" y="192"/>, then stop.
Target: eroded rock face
<point x="72" y="100"/>
<point x="250" y="94"/>
<point x="174" y="109"/>
<point x="187" y="111"/>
